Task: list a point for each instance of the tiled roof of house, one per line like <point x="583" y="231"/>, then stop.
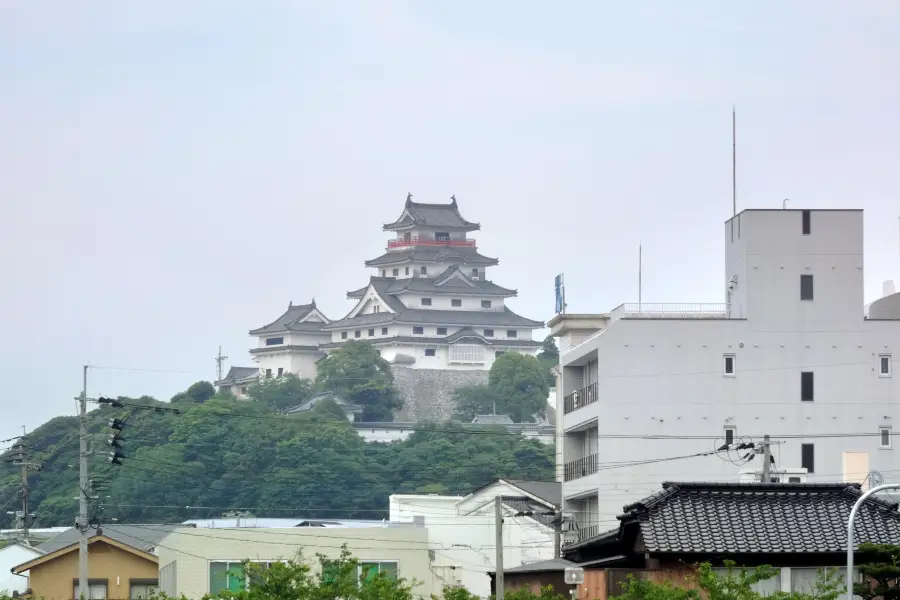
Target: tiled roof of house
<point x="328" y="395"/>
<point x="549" y="491"/>
<point x="142" y="537"/>
<point x="432" y="254"/>
<point x="759" y="518"/>
<point x="496" y="318"/>
<point x="541" y="566"/>
<point x="432" y="215"/>
<point x="291" y="321"/>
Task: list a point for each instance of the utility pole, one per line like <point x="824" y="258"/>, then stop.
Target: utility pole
<point x="557" y="533"/>
<point x="498" y="518"/>
<point x="22" y="460"/>
<point x="83" y="482"/>
<point x="767" y="460"/>
<point x="220" y="360"/>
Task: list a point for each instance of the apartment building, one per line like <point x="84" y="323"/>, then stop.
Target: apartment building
<point x="790" y="353"/>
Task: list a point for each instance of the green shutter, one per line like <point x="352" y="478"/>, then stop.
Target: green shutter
<point x="236" y="581"/>
<point x="218" y="577"/>
<point x="329" y="571"/>
<point x="368" y="571"/>
<point x="389" y="569"/>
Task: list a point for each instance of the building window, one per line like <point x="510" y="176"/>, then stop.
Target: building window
<point x="274" y="341"/>
<point x="357" y="333"/>
<point x="884" y="365"/>
<point x="806" y="386"/>
<point x="96" y="589"/>
<point x="485" y="304"/>
<point x="418" y="331"/>
<point x="808" y="457"/>
<point x="384" y="331"/>
<point x="456" y="302"/>
<point x="806" y="287"/>
<point x="426" y="301"/>
<point x="423" y="271"/>
<point x="243" y="390"/>
<point x="499" y="353"/>
<point x="371" y="333"/>
<point x="383" y="273"/>
<point x="376" y="308"/>
<point x="343" y="335"/>
<point x="280" y="371"/>
<point x="268" y="372"/>
<point x="442" y="331"/>
<point x="395" y="272"/>
<point x="406" y="272"/>
<point x="885" y="433"/>
<point x="474" y="272"/>
<point x="806" y="222"/>
<point x="729" y="435"/>
<point x="226" y="577"/>
<point x="429" y="351"/>
<point x="488" y="333"/>
<point x="466" y="353"/>
<point x="369" y="570"/>
<point x="511" y="333"/>
<point x="441" y="236"/>
<point x="141" y="589"/>
<point x="729" y="365"/>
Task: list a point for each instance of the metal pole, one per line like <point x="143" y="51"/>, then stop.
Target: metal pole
<point x="82" y="492"/>
<point x="498" y="518"/>
<point x="733" y="160"/>
<point x="863" y="498"/>
<point x="557" y="533"/>
<point x="767" y="460"/>
<point x="24" y="494"/>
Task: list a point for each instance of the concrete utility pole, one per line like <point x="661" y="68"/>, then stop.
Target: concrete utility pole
<point x="22" y="460"/>
<point x="83" y="482"/>
<point x="767" y="460"/>
<point x="557" y="533"/>
<point x="498" y="518"/>
<point x="220" y="360"/>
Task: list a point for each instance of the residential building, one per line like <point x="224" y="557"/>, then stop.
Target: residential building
<point x="789" y="353"/>
<point x="799" y="529"/>
<point x="536" y="576"/>
<point x="429" y="308"/>
<point x="195" y="561"/>
<point x="11" y="556"/>
<point x="462" y="528"/>
<point x="121" y="560"/>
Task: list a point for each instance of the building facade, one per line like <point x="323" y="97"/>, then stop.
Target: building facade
<point x="652" y="389"/>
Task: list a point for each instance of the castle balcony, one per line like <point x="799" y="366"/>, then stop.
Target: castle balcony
<point x="418" y="241"/>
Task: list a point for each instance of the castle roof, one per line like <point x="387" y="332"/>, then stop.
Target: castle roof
<point x="408" y="316"/>
<point x="293" y="319"/>
<point x="467" y="255"/>
<point x="420" y="214"/>
<point x="451" y="281"/>
<point x="238" y="375"/>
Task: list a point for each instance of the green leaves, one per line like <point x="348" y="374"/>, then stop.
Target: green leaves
<point x="357" y="373"/>
<point x="517" y="386"/>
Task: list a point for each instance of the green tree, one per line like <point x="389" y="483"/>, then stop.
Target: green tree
<point x="472" y="400"/>
<point x="549" y="358"/>
<point x="358" y="374"/>
<point x="880" y="566"/>
<point x="280" y="393"/>
<point x="517" y="387"/>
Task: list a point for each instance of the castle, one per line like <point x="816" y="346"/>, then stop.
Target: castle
<point x="429" y="308"/>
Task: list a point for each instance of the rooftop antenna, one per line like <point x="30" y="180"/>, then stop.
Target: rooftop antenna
<point x="784" y="203"/>
<point x="219" y="361"/>
<point x="640" y="274"/>
<point x="733" y="159"/>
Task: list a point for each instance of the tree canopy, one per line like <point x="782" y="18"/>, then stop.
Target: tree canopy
<point x="517" y="386"/>
<point x="358" y="374"/>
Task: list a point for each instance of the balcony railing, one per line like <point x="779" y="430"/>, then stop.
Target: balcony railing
<point x="417" y="241"/>
<point x="677" y="311"/>
<point x="588" y="532"/>
<point x="581" y="398"/>
<point x="581" y="467"/>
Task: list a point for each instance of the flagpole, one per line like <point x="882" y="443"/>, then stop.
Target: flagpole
<point x="733" y="160"/>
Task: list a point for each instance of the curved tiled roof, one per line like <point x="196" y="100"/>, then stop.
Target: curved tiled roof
<point x="431" y="215"/>
<point x="290" y="321"/>
<point x="496" y="318"/>
<point x="430" y="254"/>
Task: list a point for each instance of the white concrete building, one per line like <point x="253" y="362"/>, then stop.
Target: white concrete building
<point x="461" y="529"/>
<point x="12" y="555"/>
<point x="789" y="354"/>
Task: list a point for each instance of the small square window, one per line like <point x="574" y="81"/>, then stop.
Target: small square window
<point x="371" y="333"/>
<point x="426" y="301"/>
<point x="423" y="270"/>
<point x="806" y="222"/>
<point x="268" y="372"/>
<point x="383" y="273"/>
<point x="343" y="335"/>
<point x="418" y="330"/>
<point x="806" y="287"/>
<point x="885" y="437"/>
<point x="884" y="365"/>
<point x="280" y="371"/>
<point x="406" y="272"/>
<point x="807" y="389"/>
<point x="474" y="272"/>
<point x="429" y="351"/>
<point x="442" y="331"/>
<point x="808" y="457"/>
<point x="384" y="331"/>
<point x="485" y="304"/>
<point x="499" y="353"/>
<point x="357" y="333"/>
<point x="488" y="333"/>
<point x="511" y="333"/>
<point x="729" y="435"/>
<point x="395" y="272"/>
<point x="455" y="302"/>
<point x="729" y="365"/>
<point x="376" y="308"/>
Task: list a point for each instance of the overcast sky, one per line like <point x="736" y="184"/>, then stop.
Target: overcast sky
<point x="173" y="173"/>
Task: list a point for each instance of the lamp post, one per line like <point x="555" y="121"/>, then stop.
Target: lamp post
<point x="863" y="498"/>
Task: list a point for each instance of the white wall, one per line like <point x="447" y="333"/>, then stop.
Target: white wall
<point x="10" y="557"/>
<point x="414" y="300"/>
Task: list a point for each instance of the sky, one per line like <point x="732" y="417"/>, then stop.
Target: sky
<point x="172" y="174"/>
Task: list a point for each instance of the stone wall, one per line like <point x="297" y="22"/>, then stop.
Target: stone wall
<point x="428" y="393"/>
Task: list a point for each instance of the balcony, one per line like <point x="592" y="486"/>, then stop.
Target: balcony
<point x="417" y="241"/>
<point x="581" y="467"/>
<point x="713" y="311"/>
<point x="588" y="532"/>
<point x="581" y="398"/>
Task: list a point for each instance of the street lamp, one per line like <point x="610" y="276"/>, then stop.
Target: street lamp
<point x="863" y="498"/>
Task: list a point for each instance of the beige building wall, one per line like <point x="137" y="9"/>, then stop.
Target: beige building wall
<point x="192" y="550"/>
<point x="55" y="579"/>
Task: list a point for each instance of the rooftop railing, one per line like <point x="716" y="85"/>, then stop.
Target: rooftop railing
<point x="689" y="310"/>
<point x="580" y="399"/>
<point x="581" y="467"/>
<point x="417" y="241"/>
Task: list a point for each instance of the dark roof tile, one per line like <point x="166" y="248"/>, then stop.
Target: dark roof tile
<point x="433" y="254"/>
<point x="291" y="321"/>
<point x="432" y="215"/>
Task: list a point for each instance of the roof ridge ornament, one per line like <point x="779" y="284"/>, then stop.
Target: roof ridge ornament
<point x="408" y="198"/>
<point x="453" y="200"/>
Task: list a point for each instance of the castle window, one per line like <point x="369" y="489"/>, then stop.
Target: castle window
<point x="384" y="331"/>
<point x="371" y="333"/>
<point x="488" y="333"/>
<point x="511" y="333"/>
<point x="343" y="335"/>
<point x="474" y="272"/>
<point x="275" y="341"/>
<point x="406" y="272"/>
<point x="395" y="272"/>
<point x="426" y="301"/>
<point x="485" y="304"/>
<point x="429" y="351"/>
<point x="442" y="331"/>
<point x="418" y="331"/>
<point x="357" y="333"/>
<point x="280" y="371"/>
<point x="463" y="353"/>
<point x="423" y="271"/>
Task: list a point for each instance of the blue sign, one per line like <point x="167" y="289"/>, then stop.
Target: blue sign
<point x="559" y="284"/>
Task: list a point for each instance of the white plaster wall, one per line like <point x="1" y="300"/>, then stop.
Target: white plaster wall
<point x="443" y="302"/>
<point x="10" y="557"/>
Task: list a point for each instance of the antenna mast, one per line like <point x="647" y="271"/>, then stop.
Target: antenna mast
<point x="733" y="160"/>
<point x="219" y="361"/>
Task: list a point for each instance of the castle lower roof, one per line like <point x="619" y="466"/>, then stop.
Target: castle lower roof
<point x="292" y="320"/>
<point x="407" y="316"/>
<point x="433" y="254"/>
<point x="420" y="340"/>
<point x="431" y="215"/>
<point x="450" y="282"/>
